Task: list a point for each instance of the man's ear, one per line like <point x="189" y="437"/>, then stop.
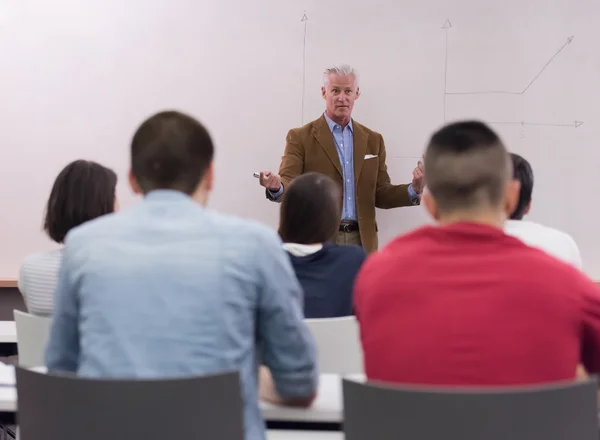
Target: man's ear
<point x="511" y="197"/>
<point x="323" y="91"/>
<point x="209" y="177"/>
<point x="430" y="205"/>
<point x="133" y="183"/>
<point x="357" y="92"/>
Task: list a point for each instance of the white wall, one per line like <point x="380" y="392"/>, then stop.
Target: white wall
<point x="77" y="77"/>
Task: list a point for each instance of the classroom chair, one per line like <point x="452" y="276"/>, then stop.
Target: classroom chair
<point x="338" y="344"/>
<point x="32" y="335"/>
<point x="562" y="411"/>
<point x="65" y="407"/>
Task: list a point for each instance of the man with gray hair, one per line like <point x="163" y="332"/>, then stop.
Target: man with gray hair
<point x="351" y="154"/>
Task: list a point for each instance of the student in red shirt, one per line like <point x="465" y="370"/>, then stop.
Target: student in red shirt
<point x="462" y="303"/>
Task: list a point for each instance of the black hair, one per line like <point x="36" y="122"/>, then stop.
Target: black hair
<point x="82" y="191"/>
<point x="171" y="150"/>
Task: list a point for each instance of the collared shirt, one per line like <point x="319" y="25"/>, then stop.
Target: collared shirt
<point x="344" y="142"/>
<point x="172" y="289"/>
<point x="480" y="308"/>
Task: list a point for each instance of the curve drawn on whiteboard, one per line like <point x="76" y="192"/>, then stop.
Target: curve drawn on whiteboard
<point x="446" y="27"/>
<point x="305" y="21"/>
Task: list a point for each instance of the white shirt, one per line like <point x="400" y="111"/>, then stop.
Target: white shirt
<point x="554" y="242"/>
<point x="302" y="250"/>
<point x="37" y="281"/>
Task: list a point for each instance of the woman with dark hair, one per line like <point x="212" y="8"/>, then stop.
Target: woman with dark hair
<point x="83" y="191"/>
<point x="310" y="217"/>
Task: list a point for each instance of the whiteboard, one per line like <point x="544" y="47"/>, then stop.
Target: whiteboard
<point x="78" y="77"/>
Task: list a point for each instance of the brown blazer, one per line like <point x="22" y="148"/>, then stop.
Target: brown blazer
<point x="312" y="148"/>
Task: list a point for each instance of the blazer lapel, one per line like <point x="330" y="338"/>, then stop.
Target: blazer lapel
<point x="360" y="148"/>
<point x="325" y="138"/>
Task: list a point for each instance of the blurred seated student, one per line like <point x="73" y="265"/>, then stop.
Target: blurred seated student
<point x="557" y="243"/>
<point x="171" y="288"/>
<point x="84" y="190"/>
<point x="310" y="215"/>
<point x="462" y="303"/>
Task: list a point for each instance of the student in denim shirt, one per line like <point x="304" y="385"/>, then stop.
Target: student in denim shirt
<point x="171" y="288"/>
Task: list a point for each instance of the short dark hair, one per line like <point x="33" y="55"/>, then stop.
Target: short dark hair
<point x="466" y="166"/>
<point x="524" y="174"/>
<point x="310" y="209"/>
<point x="81" y="192"/>
<point x="171" y="150"/>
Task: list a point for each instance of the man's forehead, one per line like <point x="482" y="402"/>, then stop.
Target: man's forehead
<point x="341" y="81"/>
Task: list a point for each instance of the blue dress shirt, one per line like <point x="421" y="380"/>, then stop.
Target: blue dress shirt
<point x="172" y="289"/>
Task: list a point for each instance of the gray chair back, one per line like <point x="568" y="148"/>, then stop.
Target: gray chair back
<point x="562" y="411"/>
<point x="57" y="407"/>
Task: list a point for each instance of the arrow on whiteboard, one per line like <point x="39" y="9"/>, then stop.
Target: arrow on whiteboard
<point x="447" y="25"/>
<point x="305" y="20"/>
<point x="574" y="124"/>
<point x="521" y="92"/>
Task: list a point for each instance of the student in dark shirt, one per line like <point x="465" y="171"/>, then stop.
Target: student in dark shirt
<point x="310" y="216"/>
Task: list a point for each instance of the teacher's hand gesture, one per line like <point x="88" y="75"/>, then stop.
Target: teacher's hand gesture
<point x="269" y="180"/>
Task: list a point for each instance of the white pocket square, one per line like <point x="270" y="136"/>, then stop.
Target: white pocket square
<point x="370" y="156"/>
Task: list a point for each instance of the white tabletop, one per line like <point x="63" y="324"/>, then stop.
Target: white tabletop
<point x="8" y="331"/>
<point x="304" y="435"/>
<point x="327" y="407"/>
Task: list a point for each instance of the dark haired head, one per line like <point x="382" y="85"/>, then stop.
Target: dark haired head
<point x="524" y="174"/>
<point x="310" y="210"/>
<point x="170" y="150"/>
<point x="82" y="191"/>
<point x="467" y="168"/>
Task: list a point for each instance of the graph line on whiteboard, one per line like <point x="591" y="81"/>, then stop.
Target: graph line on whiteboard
<point x="505" y="92"/>
<point x="573" y="124"/>
<point x="446" y="27"/>
<point x="305" y="20"/>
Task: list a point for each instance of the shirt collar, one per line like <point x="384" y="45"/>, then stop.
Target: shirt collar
<point x="162" y="195"/>
<point x="331" y="123"/>
<point x="302" y="250"/>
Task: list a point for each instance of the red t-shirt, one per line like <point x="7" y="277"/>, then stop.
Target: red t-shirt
<point x="465" y="304"/>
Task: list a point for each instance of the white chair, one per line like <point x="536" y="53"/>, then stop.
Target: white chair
<point x="32" y="335"/>
<point x="338" y="344"/>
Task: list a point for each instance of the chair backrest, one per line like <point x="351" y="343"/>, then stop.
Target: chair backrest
<point x="32" y="335"/>
<point x="60" y="407"/>
<point x="338" y="344"/>
<point x="564" y="411"/>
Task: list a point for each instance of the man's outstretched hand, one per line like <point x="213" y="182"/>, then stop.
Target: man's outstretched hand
<point x="270" y="181"/>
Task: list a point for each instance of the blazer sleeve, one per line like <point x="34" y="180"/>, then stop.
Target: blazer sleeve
<point x="292" y="162"/>
<point x="388" y="195"/>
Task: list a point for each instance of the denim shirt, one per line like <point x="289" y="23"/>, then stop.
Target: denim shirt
<point x="172" y="289"/>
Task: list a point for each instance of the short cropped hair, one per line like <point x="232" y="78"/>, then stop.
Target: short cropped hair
<point x="524" y="174"/>
<point x="83" y="191"/>
<point x="466" y="167"/>
<point x="171" y="150"/>
<point x="310" y="209"/>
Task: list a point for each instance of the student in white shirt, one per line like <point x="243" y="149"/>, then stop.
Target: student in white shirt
<point x="81" y="192"/>
<point x="552" y="241"/>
